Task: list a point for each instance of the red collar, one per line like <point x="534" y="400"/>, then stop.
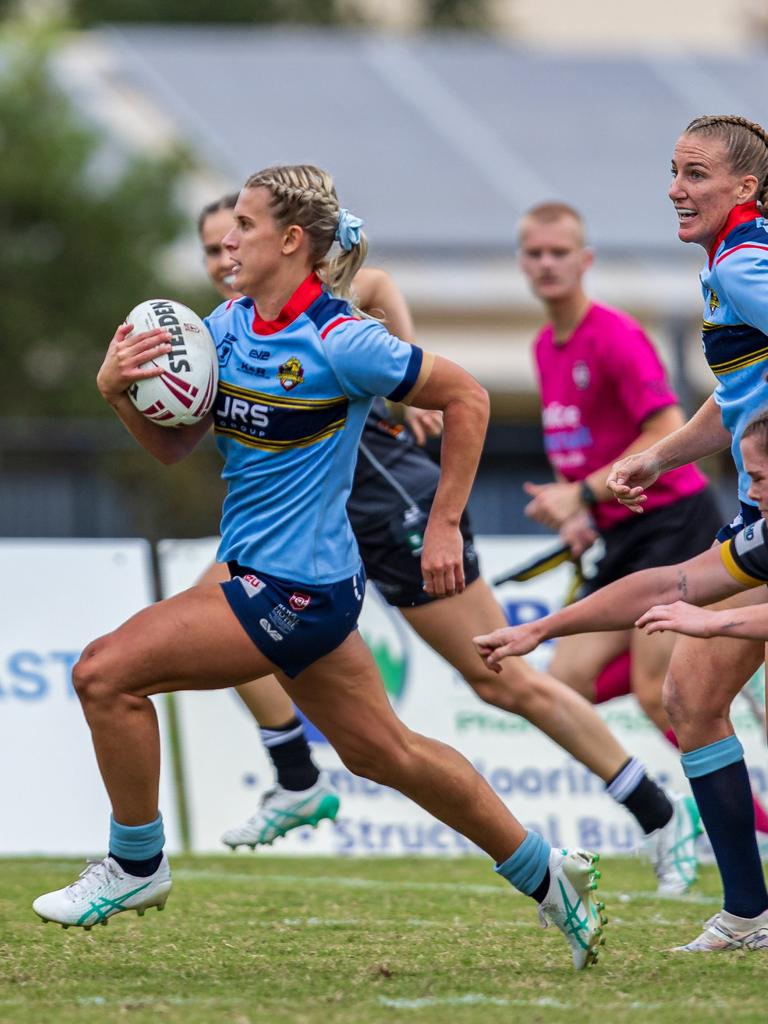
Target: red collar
<point x="738" y="215"/>
<point x="309" y="289"/>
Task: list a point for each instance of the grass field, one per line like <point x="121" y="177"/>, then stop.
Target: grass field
<point x="330" y="941"/>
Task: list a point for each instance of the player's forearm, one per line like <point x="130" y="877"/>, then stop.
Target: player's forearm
<point x="465" y="420"/>
<point x="166" y="444"/>
<point x="749" y="623"/>
<point x="659" y="426"/>
<point x="704" y="434"/>
<point x="620" y="604"/>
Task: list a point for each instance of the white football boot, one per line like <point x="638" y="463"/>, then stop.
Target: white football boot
<point x="725" y="932"/>
<point x="672" y="849"/>
<point x="284" y="809"/>
<point x="570" y="903"/>
<point x="102" y="890"/>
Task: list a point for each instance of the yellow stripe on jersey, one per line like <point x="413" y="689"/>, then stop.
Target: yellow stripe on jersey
<point x="281" y="401"/>
<point x="280" y="446"/>
<point x="739" y="363"/>
<point x="708" y="325"/>
<point x="726" y="556"/>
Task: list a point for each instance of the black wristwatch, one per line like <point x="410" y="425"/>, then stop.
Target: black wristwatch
<point x="587" y="495"/>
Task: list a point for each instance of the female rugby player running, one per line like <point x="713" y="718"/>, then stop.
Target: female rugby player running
<point x="292" y="604"/>
<point x="720" y="178"/>
<point x="393" y="488"/>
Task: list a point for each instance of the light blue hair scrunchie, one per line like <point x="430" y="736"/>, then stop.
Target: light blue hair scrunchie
<point x="348" y="231"/>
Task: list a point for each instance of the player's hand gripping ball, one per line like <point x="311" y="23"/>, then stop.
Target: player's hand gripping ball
<point x="184" y="393"/>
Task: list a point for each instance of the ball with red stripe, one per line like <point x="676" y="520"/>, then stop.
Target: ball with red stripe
<point x="185" y="391"/>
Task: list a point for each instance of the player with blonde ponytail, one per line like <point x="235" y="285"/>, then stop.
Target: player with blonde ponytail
<point x="305" y="195"/>
<point x="290" y="439"/>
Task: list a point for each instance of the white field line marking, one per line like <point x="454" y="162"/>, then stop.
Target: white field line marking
<point x="187" y="874"/>
<point x="476" y="999"/>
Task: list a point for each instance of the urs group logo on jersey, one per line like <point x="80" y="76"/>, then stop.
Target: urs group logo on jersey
<point x="290" y="373"/>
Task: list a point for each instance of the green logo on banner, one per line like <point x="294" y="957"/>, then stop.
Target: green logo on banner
<point x="393" y="666"/>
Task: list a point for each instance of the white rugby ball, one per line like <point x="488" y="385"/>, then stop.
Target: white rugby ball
<point x="185" y="391"/>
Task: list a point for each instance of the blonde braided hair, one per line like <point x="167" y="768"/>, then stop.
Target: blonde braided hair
<point x="305" y="195"/>
<point x="746" y="143"/>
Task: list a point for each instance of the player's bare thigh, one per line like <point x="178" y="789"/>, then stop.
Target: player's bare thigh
<point x="265" y="698"/>
<point x="343" y="695"/>
<point x="187" y="642"/>
<point x="705" y="675"/>
<point x="579" y="660"/>
<point x="448" y="626"/>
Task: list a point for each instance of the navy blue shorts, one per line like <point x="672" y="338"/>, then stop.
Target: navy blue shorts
<point x="748" y="514"/>
<point x="293" y="624"/>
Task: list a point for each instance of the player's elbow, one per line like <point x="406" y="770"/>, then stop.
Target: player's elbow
<point x="477" y="400"/>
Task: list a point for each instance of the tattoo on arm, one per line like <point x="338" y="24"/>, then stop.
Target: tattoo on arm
<point x="682" y="584"/>
<point x="732" y="624"/>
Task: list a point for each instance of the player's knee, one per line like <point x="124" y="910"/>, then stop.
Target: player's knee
<point x="91" y="678"/>
<point x="507" y="690"/>
<point x="673" y="701"/>
<point x="576" y="676"/>
<point x="688" y="713"/>
<point x="648" y="694"/>
<point x="381" y="758"/>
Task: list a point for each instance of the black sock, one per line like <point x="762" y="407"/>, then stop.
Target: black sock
<point x="139" y="868"/>
<point x="643" y="798"/>
<point x="290" y="753"/>
<point x="724" y="798"/>
<point x="540" y="893"/>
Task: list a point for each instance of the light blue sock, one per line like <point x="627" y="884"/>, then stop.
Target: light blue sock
<point x="528" y="865"/>
<point x="136" y="842"/>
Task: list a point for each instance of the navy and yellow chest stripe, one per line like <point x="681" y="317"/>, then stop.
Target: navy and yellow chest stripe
<point x="731" y="347"/>
<point x="276" y="422"/>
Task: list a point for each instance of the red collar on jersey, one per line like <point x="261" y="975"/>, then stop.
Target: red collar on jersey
<point x="738" y="215"/>
<point x="309" y="290"/>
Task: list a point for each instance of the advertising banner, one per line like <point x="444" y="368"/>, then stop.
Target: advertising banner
<point x="226" y="770"/>
<point x="57" y="596"/>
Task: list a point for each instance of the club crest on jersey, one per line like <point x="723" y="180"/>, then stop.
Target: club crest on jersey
<point x="581" y="375"/>
<point x="224" y="349"/>
<point x="299" y="601"/>
<point x="290" y="373"/>
<point x="714" y="302"/>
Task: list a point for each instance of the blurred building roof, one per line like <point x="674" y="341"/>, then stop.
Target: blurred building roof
<point x="440" y="142"/>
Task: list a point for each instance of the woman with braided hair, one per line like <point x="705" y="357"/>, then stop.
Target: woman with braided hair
<point x="720" y="180"/>
<point x="392" y="491"/>
<point x="292" y="603"/>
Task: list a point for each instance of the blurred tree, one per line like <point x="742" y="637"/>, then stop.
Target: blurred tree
<point x="316" y="12"/>
<point x="78" y="246"/>
<point x="462" y="14"/>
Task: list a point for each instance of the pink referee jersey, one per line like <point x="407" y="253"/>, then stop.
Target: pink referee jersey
<point x="597" y="389"/>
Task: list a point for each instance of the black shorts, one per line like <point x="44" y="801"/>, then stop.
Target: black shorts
<point x="391" y="554"/>
<point x="664" y="536"/>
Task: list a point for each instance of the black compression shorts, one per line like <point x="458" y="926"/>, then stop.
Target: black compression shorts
<point x="664" y="536"/>
<point x="391" y="554"/>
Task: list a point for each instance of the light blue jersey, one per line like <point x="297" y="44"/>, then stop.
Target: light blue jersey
<point x="292" y="401"/>
<point x="735" y="329"/>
